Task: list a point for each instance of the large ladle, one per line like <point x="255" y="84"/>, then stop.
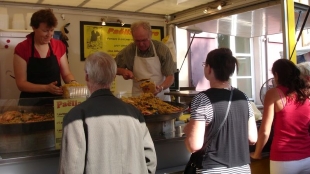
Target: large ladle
<point x="140" y="80"/>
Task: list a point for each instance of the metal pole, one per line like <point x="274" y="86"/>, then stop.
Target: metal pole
<point x="187" y="50"/>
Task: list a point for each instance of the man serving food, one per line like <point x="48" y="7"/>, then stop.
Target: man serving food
<point x="146" y="59"/>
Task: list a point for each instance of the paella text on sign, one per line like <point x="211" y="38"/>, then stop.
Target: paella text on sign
<point x="67" y="103"/>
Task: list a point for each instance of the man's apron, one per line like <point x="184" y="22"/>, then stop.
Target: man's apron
<point x="41" y="71"/>
<point x="148" y="68"/>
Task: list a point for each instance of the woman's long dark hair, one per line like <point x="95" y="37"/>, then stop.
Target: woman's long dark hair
<point x="289" y="76"/>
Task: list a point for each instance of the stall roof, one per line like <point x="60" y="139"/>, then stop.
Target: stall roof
<point x="248" y="18"/>
<point x="162" y="7"/>
<point x="253" y="23"/>
<point x="142" y="7"/>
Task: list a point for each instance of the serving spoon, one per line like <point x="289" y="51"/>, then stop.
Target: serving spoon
<point x="140" y="80"/>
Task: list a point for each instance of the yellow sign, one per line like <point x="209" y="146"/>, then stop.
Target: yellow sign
<point x="109" y="39"/>
<point x="61" y="108"/>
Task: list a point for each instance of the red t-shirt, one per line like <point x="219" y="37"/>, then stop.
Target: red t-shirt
<point x="291" y="139"/>
<point x="23" y="49"/>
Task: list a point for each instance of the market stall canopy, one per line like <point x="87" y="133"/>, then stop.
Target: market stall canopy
<point x="250" y="18"/>
<point x="254" y="23"/>
<point x="163" y="7"/>
<point x="158" y="7"/>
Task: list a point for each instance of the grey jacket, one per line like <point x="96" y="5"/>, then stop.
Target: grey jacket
<point x="104" y="135"/>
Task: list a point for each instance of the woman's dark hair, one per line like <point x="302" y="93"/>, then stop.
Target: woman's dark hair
<point x="43" y="16"/>
<point x="222" y="62"/>
<point x="289" y="76"/>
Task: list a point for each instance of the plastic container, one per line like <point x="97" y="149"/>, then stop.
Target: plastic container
<point x="76" y="91"/>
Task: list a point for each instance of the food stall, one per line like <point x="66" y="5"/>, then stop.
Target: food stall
<point x="28" y="136"/>
<point x="43" y="158"/>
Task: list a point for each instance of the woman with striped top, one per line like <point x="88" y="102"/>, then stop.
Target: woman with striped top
<point x="228" y="151"/>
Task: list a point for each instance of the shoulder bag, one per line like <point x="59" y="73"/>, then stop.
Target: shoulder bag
<point x="191" y="166"/>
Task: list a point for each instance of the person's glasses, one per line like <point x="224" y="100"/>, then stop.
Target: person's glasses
<point x="204" y="64"/>
<point x="144" y="40"/>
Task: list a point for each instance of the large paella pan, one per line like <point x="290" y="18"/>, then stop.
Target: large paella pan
<point x="154" y="109"/>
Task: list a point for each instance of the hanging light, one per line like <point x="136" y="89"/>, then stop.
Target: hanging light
<point x="219" y="7"/>
<point x="103" y="21"/>
<point x="120" y="21"/>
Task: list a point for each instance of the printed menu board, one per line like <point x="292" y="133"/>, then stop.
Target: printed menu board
<point x="61" y="108"/>
<point x="109" y="38"/>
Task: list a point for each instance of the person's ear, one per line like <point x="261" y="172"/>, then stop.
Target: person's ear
<point x="86" y="78"/>
<point x="209" y="69"/>
<point x="275" y="75"/>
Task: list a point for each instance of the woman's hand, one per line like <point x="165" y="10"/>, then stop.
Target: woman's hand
<point x="73" y="82"/>
<point x="53" y="89"/>
<point x="255" y="156"/>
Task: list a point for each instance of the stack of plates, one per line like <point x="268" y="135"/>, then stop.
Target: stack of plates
<point x="75" y="91"/>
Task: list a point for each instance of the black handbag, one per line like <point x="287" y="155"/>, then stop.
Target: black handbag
<point x="190" y="169"/>
<point x="196" y="157"/>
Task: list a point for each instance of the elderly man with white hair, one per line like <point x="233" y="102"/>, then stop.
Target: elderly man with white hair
<point x="304" y="68"/>
<point x="105" y="134"/>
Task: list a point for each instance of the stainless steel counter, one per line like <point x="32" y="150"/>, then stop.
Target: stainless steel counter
<point x="170" y="150"/>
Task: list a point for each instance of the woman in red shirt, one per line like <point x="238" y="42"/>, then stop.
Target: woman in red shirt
<point x="40" y="60"/>
<point x="287" y="107"/>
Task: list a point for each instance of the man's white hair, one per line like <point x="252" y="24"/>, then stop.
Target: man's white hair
<point x="304" y="68"/>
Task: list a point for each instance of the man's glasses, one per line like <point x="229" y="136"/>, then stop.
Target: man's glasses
<point x="204" y="64"/>
<point x="144" y="40"/>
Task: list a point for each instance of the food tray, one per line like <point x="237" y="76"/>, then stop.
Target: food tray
<point x="166" y="117"/>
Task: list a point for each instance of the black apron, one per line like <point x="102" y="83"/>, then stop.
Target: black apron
<point x="41" y="71"/>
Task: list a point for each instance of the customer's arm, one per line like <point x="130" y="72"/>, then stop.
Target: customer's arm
<point x="194" y="131"/>
<point x="252" y="128"/>
<point x="265" y="128"/>
<point x="149" y="151"/>
<point x="73" y="146"/>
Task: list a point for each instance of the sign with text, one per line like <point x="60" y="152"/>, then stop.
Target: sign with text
<point x="61" y="108"/>
<point x="110" y="38"/>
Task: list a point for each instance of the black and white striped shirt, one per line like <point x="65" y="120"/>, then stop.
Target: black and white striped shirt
<point x="202" y="110"/>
